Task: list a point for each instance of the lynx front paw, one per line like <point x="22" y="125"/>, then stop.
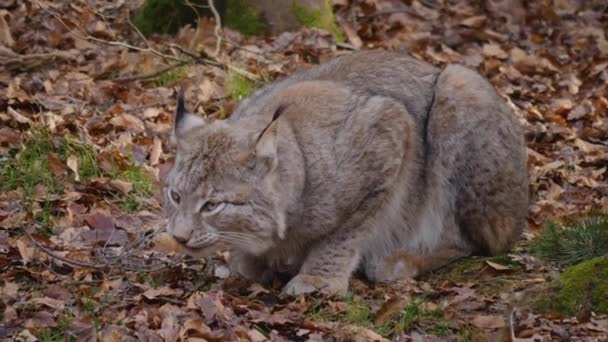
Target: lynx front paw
<point x="305" y="283"/>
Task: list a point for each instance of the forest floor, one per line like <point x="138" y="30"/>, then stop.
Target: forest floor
<point x="85" y="117"/>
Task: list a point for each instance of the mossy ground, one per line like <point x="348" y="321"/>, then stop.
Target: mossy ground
<point x="167" y="16"/>
<point x="415" y="315"/>
<point x="489" y="280"/>
<point x="243" y="18"/>
<point x="323" y="18"/>
<point x="587" y="281"/>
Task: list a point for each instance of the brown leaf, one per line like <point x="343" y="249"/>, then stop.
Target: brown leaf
<point x="103" y="229"/>
<point x="164" y="242"/>
<point x="6" y="38"/>
<point x="128" y="122"/>
<point x="9" y="136"/>
<point x="489" y="321"/>
<point x="157" y="150"/>
<point x="159" y="292"/>
<point x="18" y="117"/>
<point x="56" y="165"/>
<point x="498" y="267"/>
<point x="388" y="308"/>
<point x="194" y="328"/>
<point x="26" y="249"/>
<point x="121" y="186"/>
<point x="50" y="302"/>
<point x="41" y="319"/>
<point x="72" y="163"/>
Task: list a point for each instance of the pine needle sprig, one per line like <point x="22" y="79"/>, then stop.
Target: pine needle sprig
<point x="582" y="240"/>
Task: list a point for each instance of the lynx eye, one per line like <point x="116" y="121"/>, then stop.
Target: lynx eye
<point x="210" y="208"/>
<point x="174" y="196"/>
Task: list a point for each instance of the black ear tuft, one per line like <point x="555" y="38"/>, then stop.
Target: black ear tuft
<point x="180" y="111"/>
<point x="275" y="117"/>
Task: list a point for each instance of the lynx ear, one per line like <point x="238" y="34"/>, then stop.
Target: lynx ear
<point x="184" y="121"/>
<point x="266" y="144"/>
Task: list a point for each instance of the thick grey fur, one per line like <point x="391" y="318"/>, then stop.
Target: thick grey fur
<point x="378" y="162"/>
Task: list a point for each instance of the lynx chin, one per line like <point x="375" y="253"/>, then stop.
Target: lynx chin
<point x="375" y="163"/>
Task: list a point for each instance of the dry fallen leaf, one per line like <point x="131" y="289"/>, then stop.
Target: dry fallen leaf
<point x="72" y="163"/>
<point x="489" y="321"/>
<point x="497" y="267"/>
<point x="121" y="186"/>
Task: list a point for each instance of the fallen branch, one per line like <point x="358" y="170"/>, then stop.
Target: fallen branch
<point x="10" y="58"/>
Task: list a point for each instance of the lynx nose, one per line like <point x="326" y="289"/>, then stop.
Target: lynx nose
<point x="182" y="235"/>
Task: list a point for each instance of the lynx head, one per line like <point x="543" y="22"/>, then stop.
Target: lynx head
<point x="222" y="188"/>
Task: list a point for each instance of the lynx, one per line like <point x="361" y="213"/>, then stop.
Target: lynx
<point x="374" y="162"/>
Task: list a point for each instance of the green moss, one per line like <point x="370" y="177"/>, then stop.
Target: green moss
<point x="581" y="240"/>
<point x="238" y="87"/>
<point x="323" y="18"/>
<point x="587" y="280"/>
<point x="243" y="18"/>
<point x="573" y="286"/>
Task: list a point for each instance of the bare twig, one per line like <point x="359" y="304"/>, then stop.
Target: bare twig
<point x="141" y="35"/>
<point x="218" y="27"/>
<point x="148" y="75"/>
<point x="53" y="254"/>
<point x="216" y="63"/>
<point x="9" y="57"/>
<point x="87" y="36"/>
<point x="381" y="13"/>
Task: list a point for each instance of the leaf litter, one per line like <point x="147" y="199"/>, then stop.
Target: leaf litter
<point x="86" y="190"/>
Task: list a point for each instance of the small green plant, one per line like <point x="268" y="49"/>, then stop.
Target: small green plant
<point x="322" y="19"/>
<point x="143" y="186"/>
<point x="238" y="87"/>
<point x="242" y="18"/>
<point x="58" y="333"/>
<point x="170" y="77"/>
<point x="414" y="315"/>
<point x="582" y="240"/>
<point x="357" y="312"/>
<point x="30" y="167"/>
<point x="88" y="167"/>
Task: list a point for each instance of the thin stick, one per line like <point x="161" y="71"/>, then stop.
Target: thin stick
<point x="218" y="27"/>
<point x="148" y="75"/>
<point x="59" y="257"/>
<point x="103" y="41"/>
